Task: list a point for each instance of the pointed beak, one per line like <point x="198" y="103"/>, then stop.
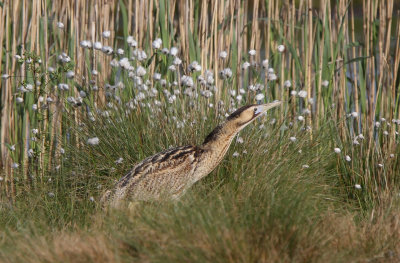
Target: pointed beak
<point x="265" y="107"/>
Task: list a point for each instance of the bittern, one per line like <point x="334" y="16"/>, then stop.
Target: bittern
<point x="171" y="172"/>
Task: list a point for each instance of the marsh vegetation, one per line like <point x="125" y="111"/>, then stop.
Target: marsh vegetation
<point x="89" y="88"/>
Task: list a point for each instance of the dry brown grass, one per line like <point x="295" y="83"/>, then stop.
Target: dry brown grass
<point x="78" y="246"/>
<point x="126" y="237"/>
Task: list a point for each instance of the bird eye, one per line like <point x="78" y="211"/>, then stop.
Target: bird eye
<point x="257" y="111"/>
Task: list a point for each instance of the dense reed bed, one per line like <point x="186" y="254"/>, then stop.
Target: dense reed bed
<point x="88" y="88"/>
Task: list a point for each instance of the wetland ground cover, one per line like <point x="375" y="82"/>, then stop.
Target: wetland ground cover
<point x="88" y="88"/>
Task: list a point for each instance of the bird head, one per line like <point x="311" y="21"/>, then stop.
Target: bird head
<point x="247" y="114"/>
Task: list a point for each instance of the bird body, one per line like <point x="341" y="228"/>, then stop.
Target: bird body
<point x="171" y="172"/>
<point x="165" y="168"/>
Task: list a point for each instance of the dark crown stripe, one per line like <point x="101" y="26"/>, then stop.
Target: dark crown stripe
<point x="238" y="112"/>
<point x="215" y="133"/>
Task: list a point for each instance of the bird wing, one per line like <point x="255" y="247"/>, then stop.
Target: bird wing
<point x="167" y="171"/>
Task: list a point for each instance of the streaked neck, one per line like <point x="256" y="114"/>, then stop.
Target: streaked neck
<point x="218" y="141"/>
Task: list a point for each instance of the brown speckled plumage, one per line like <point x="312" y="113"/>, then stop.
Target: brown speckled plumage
<point x="171" y="172"/>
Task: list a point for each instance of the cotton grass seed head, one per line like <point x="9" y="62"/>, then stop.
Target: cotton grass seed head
<point x="187" y="81"/>
<point x="85" y="44"/>
<point x="177" y="61"/>
<point x="130" y="39"/>
<point x="93" y="141"/>
<point x="119" y="161"/>
<point x="107" y="50"/>
<point x="194" y="66"/>
<point x="31" y="153"/>
<point x="156" y="76"/>
<point x="252" y="52"/>
<point x="225" y="73"/>
<point x="337" y="150"/>
<point x="106" y="34"/>
<point x="165" y="51"/>
<point x="302" y="93"/>
<point x="245" y="65"/>
<point x="140" y="55"/>
<point x="272" y="76"/>
<point x="325" y="83"/>
<point x="172" y="68"/>
<point x="97" y="46"/>
<point x="140" y="71"/>
<point x="357" y="186"/>
<point x="64" y="58"/>
<point x="29" y="87"/>
<point x="173" y="51"/>
<point x="223" y="54"/>
<point x="287" y="84"/>
<point x="63" y="86"/>
<point x="265" y="63"/>
<point x="252" y="88"/>
<point x="70" y="74"/>
<point x="354" y="114"/>
<point x="21" y="89"/>
<point x="60" y="25"/>
<point x="157" y="43"/>
<point x="281" y="48"/>
<point x="260" y="96"/>
<point x="348" y="158"/>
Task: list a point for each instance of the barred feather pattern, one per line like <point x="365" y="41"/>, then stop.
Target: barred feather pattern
<point x="165" y="173"/>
